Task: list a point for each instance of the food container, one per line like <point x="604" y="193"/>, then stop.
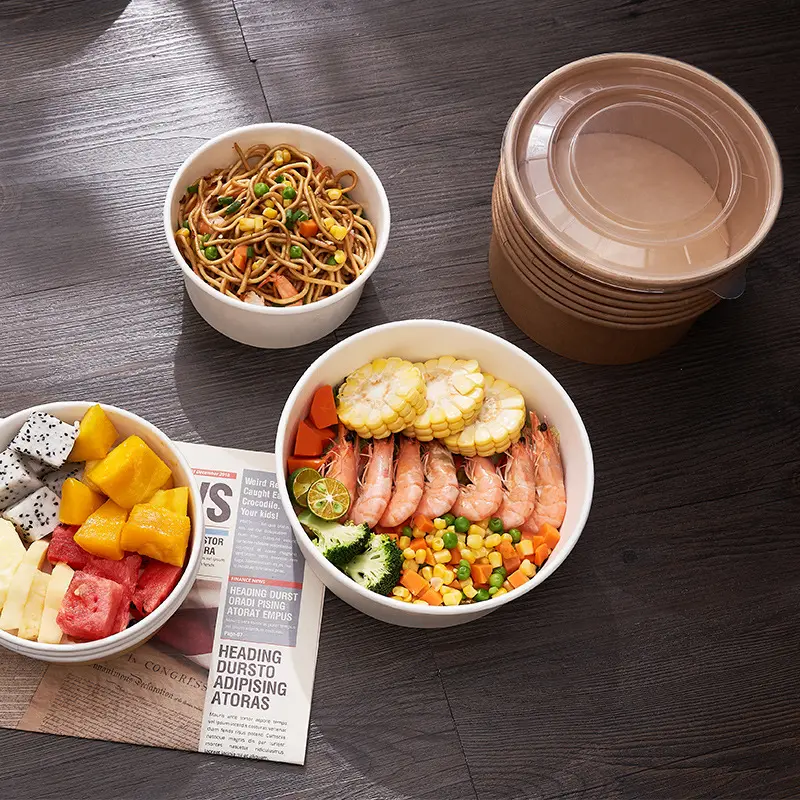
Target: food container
<point x="420" y="340"/>
<point x="632" y="190"/>
<point x="264" y="326"/>
<point x="127" y="424"/>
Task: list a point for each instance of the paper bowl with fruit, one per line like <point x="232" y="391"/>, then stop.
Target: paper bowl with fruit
<point x="432" y="472"/>
<point x="101" y="531"/>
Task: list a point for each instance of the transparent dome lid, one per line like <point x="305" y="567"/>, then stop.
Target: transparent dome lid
<point x="641" y="171"/>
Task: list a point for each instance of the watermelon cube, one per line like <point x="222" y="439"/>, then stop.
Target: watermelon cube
<point x="124" y="572"/>
<point x="155" y="583"/>
<point x="63" y="548"/>
<point x="90" y="607"/>
<point x="124" y="614"/>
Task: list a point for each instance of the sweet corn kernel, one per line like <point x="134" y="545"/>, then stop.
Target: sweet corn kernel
<point x="246" y="224"/>
<point x="481" y="552"/>
<point x="452" y="598"/>
<point x="439" y="570"/>
<point x="426" y="572"/>
<point x="449" y="576"/>
<point x="462" y="538"/>
<point x="411" y="565"/>
<point x="442" y="557"/>
<point x="467" y="555"/>
<point x="476" y="530"/>
<point x="507" y="586"/>
<point x="500" y="592"/>
<point x="270" y="213"/>
<point x="419" y="555"/>
<point x="339" y="256"/>
<point x="419" y="602"/>
<point x="469" y="591"/>
<point x="408" y="599"/>
<point x="492" y="540"/>
<point x="278" y="158"/>
<point x="474" y="541"/>
<point x="395" y="597"/>
<point x="436" y="583"/>
<point x="439" y="524"/>
<point x="338" y="232"/>
<point x="495" y="559"/>
<point x="334" y="194"/>
<point x="409" y="553"/>
<point x="527" y="568"/>
<point x="429" y="538"/>
<point x="287" y="156"/>
<point x="269" y="204"/>
<point x="507" y="537"/>
<point x="403" y="542"/>
<point x="482" y="560"/>
<point x="466" y="582"/>
<point x="524" y="548"/>
<point x="400" y="591"/>
<point x="328" y="222"/>
<point x="182" y="232"/>
<point x="437" y="544"/>
<point x="258" y="224"/>
<point x="287" y="203"/>
<point x="418" y="534"/>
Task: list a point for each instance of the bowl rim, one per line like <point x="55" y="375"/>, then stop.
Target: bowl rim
<point x="386" y="602"/>
<point x="187" y="579"/>
<point x="382" y="236"/>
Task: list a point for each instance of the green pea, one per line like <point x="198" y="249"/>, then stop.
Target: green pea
<point x="205" y="237"/>
<point x="449" y="519"/>
<point x="224" y="200"/>
<point x="463" y="572"/>
<point x="496" y="580"/>
<point x="516" y="536"/>
<point x="450" y="540"/>
<point x="186" y="225"/>
<point x="464" y="563"/>
<point x="331" y="262"/>
<point x="500" y="571"/>
<point x="193" y="188"/>
<point x="295" y="251"/>
<point x="461" y="524"/>
<point x="233" y="208"/>
<point x="408" y="531"/>
<point x="250" y="251"/>
<point x="279" y="179"/>
<point x="289" y="193"/>
<point x="300" y="216"/>
<point x="496" y="525"/>
<point x="493" y="590"/>
<point x="483" y="594"/>
<point x="211" y="252"/>
<point x="260" y="189"/>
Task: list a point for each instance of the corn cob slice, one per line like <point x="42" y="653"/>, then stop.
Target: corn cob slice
<point x="382" y="397"/>
<point x="498" y="424"/>
<point x="454" y="393"/>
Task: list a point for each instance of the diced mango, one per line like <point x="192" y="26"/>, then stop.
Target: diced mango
<point x="157" y="532"/>
<point x="100" y="535"/>
<point x="176" y="500"/>
<point x="78" y="501"/>
<point x="170" y="484"/>
<point x="131" y="473"/>
<point x="96" y="436"/>
<point x="34" y="605"/>
<point x="87" y="467"/>
<point x="60" y="579"/>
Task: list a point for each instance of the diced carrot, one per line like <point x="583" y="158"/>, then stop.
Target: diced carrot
<point x="423" y="523"/>
<point x="239" y="256"/>
<point x="524" y="548"/>
<point x="432" y="597"/>
<point x="480" y="573"/>
<point x="418" y="544"/>
<point x="393" y="536"/>
<point x="511" y="564"/>
<point x="429" y="559"/>
<point x="323" y="408"/>
<point x="538" y="540"/>
<point x="516" y="579"/>
<point x="506" y="549"/>
<point x="307" y="228"/>
<point x="326" y="434"/>
<point x="455" y="555"/>
<point x="202" y="226"/>
<point x="308" y="441"/>
<point x="414" y="582"/>
<point x="550" y="534"/>
<point x="542" y="552"/>
<point x="293" y="463"/>
<point x="388" y="531"/>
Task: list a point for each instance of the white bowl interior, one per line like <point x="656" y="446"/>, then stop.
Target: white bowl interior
<point x="127" y="424"/>
<point x="419" y="340"/>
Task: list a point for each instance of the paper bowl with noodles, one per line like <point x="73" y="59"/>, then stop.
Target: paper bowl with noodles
<point x="276" y="228"/>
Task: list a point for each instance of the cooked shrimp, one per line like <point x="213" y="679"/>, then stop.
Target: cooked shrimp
<point x="441" y="481"/>
<point x="408" y="482"/>
<point x="342" y="464"/>
<point x="482" y="497"/>
<point x="551" y="496"/>
<point x="286" y="288"/>
<point x="376" y="486"/>
<point x="519" y="480"/>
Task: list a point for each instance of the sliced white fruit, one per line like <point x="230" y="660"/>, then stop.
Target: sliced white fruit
<point x="60" y="579"/>
<point x="34" y="605"/>
<point x="18" y="590"/>
<point x="12" y="551"/>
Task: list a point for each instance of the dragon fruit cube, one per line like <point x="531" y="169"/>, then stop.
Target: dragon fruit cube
<point x="55" y="480"/>
<point x="16" y="480"/>
<point x="33" y="466"/>
<point x="35" y="516"/>
<point x="45" y="438"/>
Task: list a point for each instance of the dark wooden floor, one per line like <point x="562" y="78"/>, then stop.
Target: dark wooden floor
<point x="662" y="659"/>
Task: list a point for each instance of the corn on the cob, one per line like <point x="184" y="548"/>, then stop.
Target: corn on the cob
<point x="382" y="397"/>
<point x="498" y="424"/>
<point x="453" y="394"/>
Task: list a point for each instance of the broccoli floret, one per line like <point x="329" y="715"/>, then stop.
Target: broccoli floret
<point x="338" y="542"/>
<point x="378" y="567"/>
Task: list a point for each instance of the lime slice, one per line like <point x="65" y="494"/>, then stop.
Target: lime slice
<point x="300" y="481"/>
<point x="328" y="498"/>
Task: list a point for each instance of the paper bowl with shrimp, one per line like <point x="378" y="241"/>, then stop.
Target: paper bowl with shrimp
<point x="246" y="238"/>
<point x="401" y="472"/>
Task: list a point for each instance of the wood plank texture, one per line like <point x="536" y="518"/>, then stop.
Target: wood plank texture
<point x="661" y="660"/>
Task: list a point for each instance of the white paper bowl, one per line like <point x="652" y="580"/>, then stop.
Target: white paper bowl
<point x="276" y="328"/>
<point x="418" y="340"/>
<point x="127" y="424"/>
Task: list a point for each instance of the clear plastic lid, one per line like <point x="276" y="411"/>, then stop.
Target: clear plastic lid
<point x="641" y="171"/>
